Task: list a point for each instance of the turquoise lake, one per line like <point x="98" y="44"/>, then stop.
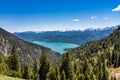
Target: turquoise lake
<point x="56" y="46"/>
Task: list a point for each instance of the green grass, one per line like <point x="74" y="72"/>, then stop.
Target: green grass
<point x="2" y="77"/>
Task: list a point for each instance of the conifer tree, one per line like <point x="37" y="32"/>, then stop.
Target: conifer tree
<point x="76" y="69"/>
<point x="35" y="70"/>
<point x="81" y="77"/>
<point x="67" y="66"/>
<point x="57" y="73"/>
<point x="14" y="59"/>
<point x="105" y="73"/>
<point x="52" y="75"/>
<point x="3" y="66"/>
<point x="1" y="58"/>
<point x="63" y="77"/>
<point x="13" y="63"/>
<point x="27" y="74"/>
<point x="44" y="66"/>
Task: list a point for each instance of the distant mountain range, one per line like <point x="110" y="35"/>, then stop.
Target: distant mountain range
<point x="28" y="52"/>
<point x="73" y="36"/>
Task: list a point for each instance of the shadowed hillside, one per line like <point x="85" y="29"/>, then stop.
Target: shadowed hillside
<point x="27" y="51"/>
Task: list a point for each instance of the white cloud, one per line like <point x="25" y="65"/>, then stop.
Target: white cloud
<point x="117" y="8"/>
<point x="93" y="17"/>
<point x="106" y="18"/>
<point x="75" y="20"/>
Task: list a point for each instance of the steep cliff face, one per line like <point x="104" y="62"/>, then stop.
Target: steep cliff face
<point x="4" y="46"/>
<point x="28" y="52"/>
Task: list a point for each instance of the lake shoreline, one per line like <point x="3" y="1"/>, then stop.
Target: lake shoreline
<point x="56" y="46"/>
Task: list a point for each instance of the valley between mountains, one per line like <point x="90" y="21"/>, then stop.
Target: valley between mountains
<point x="95" y="59"/>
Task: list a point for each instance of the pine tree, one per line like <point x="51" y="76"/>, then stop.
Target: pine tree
<point x="67" y="66"/>
<point x="14" y="59"/>
<point x="77" y="70"/>
<point x="109" y="62"/>
<point x="44" y="67"/>
<point x="1" y="58"/>
<point x="52" y="75"/>
<point x="63" y="77"/>
<point x="105" y="73"/>
<point x="99" y="70"/>
<point x="3" y="66"/>
<point x="81" y="77"/>
<point x="27" y="74"/>
<point x="13" y="63"/>
<point x="35" y="70"/>
<point x="88" y="71"/>
<point x="57" y="73"/>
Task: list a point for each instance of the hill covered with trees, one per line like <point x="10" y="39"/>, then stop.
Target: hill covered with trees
<point x="28" y="52"/>
<point x="91" y="61"/>
<point x="99" y="56"/>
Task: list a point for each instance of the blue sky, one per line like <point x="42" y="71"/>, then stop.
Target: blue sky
<point x="47" y="15"/>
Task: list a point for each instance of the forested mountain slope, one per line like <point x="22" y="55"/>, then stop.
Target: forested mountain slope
<point x="28" y="52"/>
<point x="99" y="56"/>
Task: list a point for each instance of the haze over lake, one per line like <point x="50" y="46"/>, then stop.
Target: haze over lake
<point x="56" y="46"/>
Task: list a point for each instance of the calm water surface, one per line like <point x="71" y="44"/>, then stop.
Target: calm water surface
<point x="56" y="46"/>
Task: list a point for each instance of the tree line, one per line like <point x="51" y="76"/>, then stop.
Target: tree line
<point x="68" y="69"/>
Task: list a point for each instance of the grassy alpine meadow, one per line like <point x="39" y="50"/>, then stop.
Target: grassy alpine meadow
<point x="2" y="77"/>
